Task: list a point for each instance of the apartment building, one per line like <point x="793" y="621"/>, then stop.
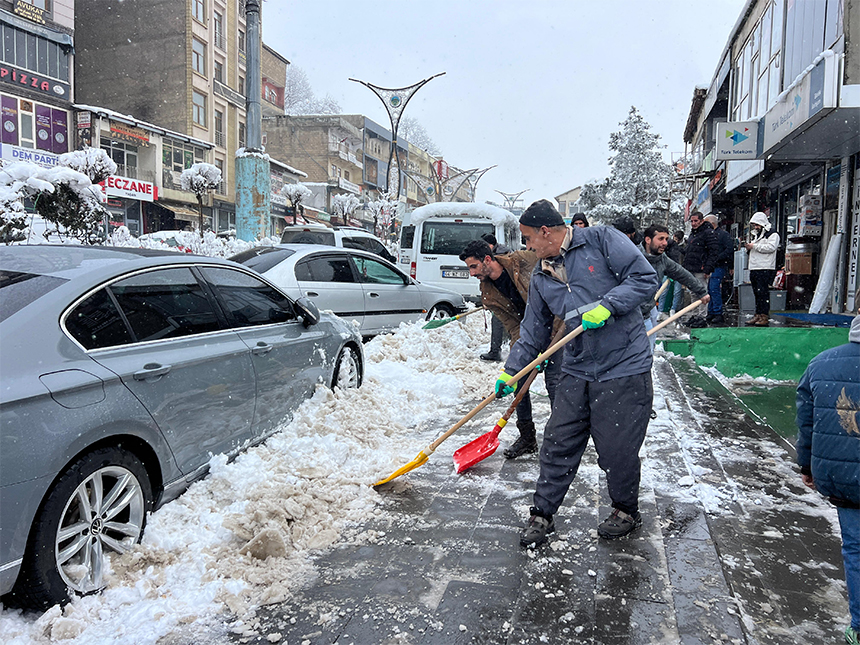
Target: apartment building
<point x="778" y="130"/>
<point x="180" y="64"/>
<point x="566" y="202"/>
<point x="36" y="79"/>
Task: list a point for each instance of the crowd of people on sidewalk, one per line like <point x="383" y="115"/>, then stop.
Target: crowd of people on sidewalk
<point x="604" y="279"/>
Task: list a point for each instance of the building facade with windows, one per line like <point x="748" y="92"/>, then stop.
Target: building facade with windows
<point x="566" y="202"/>
<point x="778" y="130"/>
<point x="36" y="79"/>
<point x="181" y="65"/>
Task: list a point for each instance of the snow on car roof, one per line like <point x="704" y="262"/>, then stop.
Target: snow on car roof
<point x="464" y="209"/>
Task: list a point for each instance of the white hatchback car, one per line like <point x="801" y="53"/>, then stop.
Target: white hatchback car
<point x="348" y="237"/>
<point x="353" y="284"/>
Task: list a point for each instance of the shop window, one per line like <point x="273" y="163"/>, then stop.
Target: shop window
<point x="198" y="56"/>
<point x="33" y="53"/>
<point x="28" y="130"/>
<point x="198" y="113"/>
<point x="177" y="156"/>
<point x="198" y="10"/>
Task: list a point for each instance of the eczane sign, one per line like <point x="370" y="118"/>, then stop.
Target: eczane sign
<point x="116" y="186"/>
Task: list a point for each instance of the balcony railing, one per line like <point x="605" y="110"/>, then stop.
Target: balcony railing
<point x="220" y="41"/>
<point x="220" y="139"/>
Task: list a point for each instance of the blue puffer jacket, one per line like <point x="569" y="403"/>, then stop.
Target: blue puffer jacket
<point x="603" y="267"/>
<point x="828" y="414"/>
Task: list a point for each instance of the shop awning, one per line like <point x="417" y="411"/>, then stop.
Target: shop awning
<point x="835" y="135"/>
<point x="182" y="212"/>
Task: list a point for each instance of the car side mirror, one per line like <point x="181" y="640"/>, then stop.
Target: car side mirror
<point x="308" y="312"/>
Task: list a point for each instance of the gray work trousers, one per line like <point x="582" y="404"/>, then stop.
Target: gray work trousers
<point x="615" y="414"/>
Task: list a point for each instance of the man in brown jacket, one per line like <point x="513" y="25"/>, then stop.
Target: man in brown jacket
<point x="504" y="292"/>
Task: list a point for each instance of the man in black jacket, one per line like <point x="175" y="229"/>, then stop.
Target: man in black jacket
<point x="701" y="258"/>
<point x="725" y="258"/>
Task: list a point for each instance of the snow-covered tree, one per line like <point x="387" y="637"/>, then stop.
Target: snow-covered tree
<point x="200" y="179"/>
<point x="66" y="196"/>
<point x="415" y="133"/>
<point x="344" y="205"/>
<point x="296" y="194"/>
<point x="299" y="97"/>
<point x="638" y="183"/>
<point x="382" y="210"/>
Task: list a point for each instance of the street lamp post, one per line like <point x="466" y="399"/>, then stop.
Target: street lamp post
<point x="395" y="100"/>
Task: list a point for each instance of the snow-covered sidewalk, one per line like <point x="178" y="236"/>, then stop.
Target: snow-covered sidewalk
<point x="258" y="531"/>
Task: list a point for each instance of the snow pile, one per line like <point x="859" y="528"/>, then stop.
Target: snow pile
<point x="209" y="245"/>
<point x="243" y="537"/>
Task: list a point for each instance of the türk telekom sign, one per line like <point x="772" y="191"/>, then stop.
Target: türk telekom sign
<point x="116" y="186"/>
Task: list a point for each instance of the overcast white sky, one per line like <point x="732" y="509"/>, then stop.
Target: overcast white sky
<point x="535" y="87"/>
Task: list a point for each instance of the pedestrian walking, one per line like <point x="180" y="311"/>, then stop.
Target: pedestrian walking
<point x="725" y="259"/>
<point x="656" y="240"/>
<point x="701" y="256"/>
<point x="587" y="276"/>
<point x="828" y="449"/>
<point x="504" y="292"/>
<point x="762" y="247"/>
<point x="497" y="330"/>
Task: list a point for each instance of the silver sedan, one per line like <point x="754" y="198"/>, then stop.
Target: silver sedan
<point x="123" y="371"/>
<point x="355" y="285"/>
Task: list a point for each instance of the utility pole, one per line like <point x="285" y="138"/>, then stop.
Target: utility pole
<point x="253" y="177"/>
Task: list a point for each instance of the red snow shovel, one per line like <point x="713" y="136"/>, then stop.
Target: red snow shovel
<point x="485" y="445"/>
<point x="424" y="455"/>
<point x="479" y="449"/>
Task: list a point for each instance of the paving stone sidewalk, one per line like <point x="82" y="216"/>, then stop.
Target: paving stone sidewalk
<point x="442" y="562"/>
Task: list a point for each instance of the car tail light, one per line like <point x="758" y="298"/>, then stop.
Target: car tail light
<point x="412" y="270"/>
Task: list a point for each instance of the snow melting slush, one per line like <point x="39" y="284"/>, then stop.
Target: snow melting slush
<point x="247" y="535"/>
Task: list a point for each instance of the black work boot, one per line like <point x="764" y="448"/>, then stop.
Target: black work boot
<point x="492" y="356"/>
<point x="619" y="524"/>
<point x="526" y="443"/>
<point x="538" y="527"/>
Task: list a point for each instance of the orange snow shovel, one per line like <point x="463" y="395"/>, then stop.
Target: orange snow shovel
<point x="479" y="449"/>
<point x="424" y="455"/>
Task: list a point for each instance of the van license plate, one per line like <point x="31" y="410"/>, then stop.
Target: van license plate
<point x="455" y="274"/>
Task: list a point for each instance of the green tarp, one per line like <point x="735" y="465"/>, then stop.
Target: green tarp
<point x="780" y="353"/>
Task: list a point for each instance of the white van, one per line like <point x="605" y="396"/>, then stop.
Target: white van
<point x="442" y="230"/>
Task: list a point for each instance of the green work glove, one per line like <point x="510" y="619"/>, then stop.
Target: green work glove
<point x="596" y="317"/>
<point x="543" y="365"/>
<point x="502" y="387"/>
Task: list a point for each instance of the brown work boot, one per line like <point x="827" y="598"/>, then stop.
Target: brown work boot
<point x="761" y="320"/>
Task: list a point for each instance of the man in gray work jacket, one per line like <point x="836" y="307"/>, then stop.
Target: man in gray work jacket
<point x="598" y="278"/>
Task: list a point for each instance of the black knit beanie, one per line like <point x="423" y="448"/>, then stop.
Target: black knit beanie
<point x="541" y="213"/>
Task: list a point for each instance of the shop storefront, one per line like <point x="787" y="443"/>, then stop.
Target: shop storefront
<point x="126" y="197"/>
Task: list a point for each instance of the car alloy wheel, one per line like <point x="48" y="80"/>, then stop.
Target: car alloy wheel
<point x="104" y="513"/>
<point x="347" y="371"/>
<point x="98" y="504"/>
<point x="440" y="311"/>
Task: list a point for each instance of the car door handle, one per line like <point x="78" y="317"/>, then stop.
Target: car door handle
<point x="261" y="348"/>
<point x="312" y="294"/>
<point x="152" y="371"/>
<point x="374" y="295"/>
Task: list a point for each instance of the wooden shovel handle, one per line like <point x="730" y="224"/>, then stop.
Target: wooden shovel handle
<point x="514" y="379"/>
<point x="661" y="289"/>
<point x="675" y="317"/>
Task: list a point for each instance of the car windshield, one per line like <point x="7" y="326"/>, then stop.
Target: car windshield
<point x="450" y="238"/>
<point x="262" y="258"/>
<point x="307" y="236"/>
<point x="17" y="290"/>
